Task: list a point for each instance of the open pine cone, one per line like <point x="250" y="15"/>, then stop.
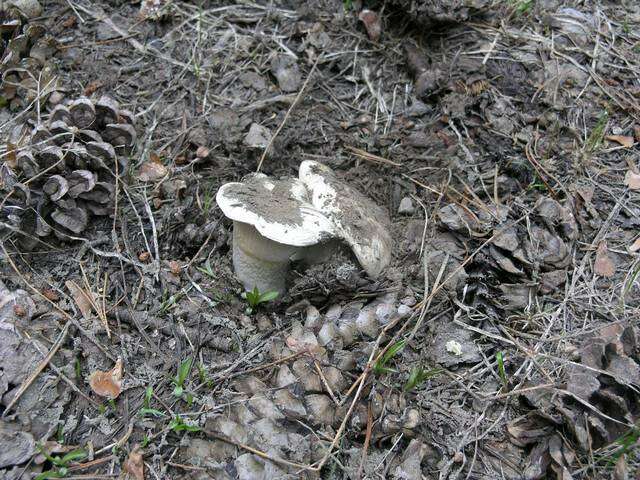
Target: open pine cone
<point x="25" y="51"/>
<point x="64" y="171"/>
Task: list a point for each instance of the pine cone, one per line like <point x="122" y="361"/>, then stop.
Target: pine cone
<point x="25" y="50"/>
<point x="64" y="172"/>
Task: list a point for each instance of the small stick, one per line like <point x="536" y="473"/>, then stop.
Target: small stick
<point x="286" y="116"/>
<point x="93" y="463"/>
<point x="367" y="439"/>
<point x="370" y="156"/>
<point x="325" y="383"/>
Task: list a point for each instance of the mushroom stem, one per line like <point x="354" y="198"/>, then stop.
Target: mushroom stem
<point x="258" y="261"/>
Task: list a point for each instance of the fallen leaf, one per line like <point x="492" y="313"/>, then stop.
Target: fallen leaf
<point x="371" y="23"/>
<point x="92" y="87"/>
<point x="604" y="265"/>
<point x="635" y="246"/>
<point x="144" y="256"/>
<point x="19" y="310"/>
<point x="82" y="299"/>
<point x="632" y="180"/>
<point x="134" y="464"/>
<point x="107" y="384"/>
<point x="152" y="170"/>
<point x="623" y="140"/>
<point x="636" y="132"/>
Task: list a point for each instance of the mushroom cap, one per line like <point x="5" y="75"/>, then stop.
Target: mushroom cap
<point x="357" y="219"/>
<point x="279" y="209"/>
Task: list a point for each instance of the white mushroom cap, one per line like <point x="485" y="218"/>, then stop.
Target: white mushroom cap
<point x="357" y="219"/>
<point x="279" y="210"/>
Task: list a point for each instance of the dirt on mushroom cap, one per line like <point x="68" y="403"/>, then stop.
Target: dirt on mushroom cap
<point x="278" y="204"/>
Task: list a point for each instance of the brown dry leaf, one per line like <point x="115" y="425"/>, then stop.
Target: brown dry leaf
<point x="134" y="464"/>
<point x="107" y="384"/>
<point x="635" y="246"/>
<point x="144" y="256"/>
<point x="604" y="265"/>
<point x="371" y="22"/>
<point x="82" y="299"/>
<point x="632" y="180"/>
<point x="92" y="87"/>
<point x="636" y="132"/>
<point x="623" y="140"/>
<point x="153" y="169"/>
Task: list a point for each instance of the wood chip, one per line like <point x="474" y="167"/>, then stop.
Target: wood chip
<point x="174" y="267"/>
<point x="632" y="180"/>
<point x="50" y="294"/>
<point x="371" y="22"/>
<point x="134" y="464"/>
<point x="623" y="140"/>
<point x="202" y="152"/>
<point x="152" y="170"/>
<point x="107" y="384"/>
<point x="82" y="299"/>
<point x="92" y="87"/>
<point x="604" y="265"/>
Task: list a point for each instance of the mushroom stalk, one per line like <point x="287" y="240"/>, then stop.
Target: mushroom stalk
<point x="258" y="261"/>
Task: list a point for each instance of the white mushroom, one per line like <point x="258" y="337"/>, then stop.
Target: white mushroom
<point x="361" y="223"/>
<point x="273" y="220"/>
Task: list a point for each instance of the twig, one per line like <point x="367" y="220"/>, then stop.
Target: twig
<point x="367" y="439"/>
<point x="370" y="156"/>
<point x="325" y="383"/>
